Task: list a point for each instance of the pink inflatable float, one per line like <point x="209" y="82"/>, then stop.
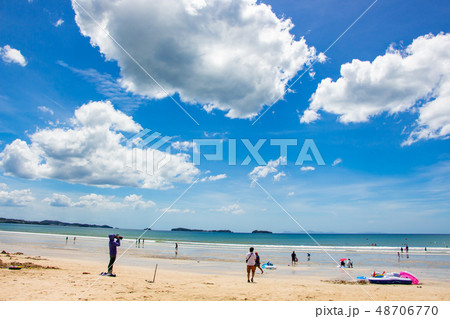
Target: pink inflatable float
<point x="405" y="274"/>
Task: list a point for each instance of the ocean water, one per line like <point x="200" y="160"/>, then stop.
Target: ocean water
<point x="388" y="241"/>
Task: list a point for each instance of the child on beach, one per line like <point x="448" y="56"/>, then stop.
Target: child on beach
<point x="258" y="262"/>
<point x="349" y="263"/>
<point x="250" y="259"/>
<point x="112" y="251"/>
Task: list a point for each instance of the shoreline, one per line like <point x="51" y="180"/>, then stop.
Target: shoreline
<point x="79" y="280"/>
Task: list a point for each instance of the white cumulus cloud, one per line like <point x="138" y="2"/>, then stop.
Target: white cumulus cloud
<point x="58" y="200"/>
<point x="10" y="55"/>
<point x="136" y="202"/>
<point x="234" y="55"/>
<point x="15" y="198"/>
<point x="415" y="78"/>
<point x="99" y="201"/>
<point x="93" y="151"/>
<point x="307" y="168"/>
<point x="264" y="170"/>
<point x="94" y="200"/>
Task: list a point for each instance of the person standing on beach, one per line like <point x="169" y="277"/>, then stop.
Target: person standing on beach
<point x="176" y="249"/>
<point x="258" y="262"/>
<point x="250" y="259"/>
<point x="112" y="251"/>
<point x="349" y="263"/>
<point x="294" y="257"/>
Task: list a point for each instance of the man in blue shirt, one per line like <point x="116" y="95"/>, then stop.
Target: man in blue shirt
<point x="113" y="251"/>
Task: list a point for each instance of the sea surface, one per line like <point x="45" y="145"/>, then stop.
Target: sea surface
<point x="414" y="241"/>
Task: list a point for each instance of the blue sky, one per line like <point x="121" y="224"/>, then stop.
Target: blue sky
<point x="376" y="105"/>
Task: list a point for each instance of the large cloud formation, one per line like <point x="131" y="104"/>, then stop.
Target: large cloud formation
<point x="416" y="78"/>
<point x="93" y="151"/>
<point x="232" y="55"/>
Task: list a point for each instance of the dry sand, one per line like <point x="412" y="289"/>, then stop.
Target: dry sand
<point x="79" y="280"/>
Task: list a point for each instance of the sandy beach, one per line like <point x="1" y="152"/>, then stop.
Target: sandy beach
<point x="72" y="274"/>
<point x="80" y="281"/>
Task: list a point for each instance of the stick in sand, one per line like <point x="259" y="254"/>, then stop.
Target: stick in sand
<point x="154" y="275"/>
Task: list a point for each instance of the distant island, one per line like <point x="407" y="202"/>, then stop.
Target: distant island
<point x="48" y="223"/>
<point x="201" y="230"/>
<point x="261" y="232"/>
